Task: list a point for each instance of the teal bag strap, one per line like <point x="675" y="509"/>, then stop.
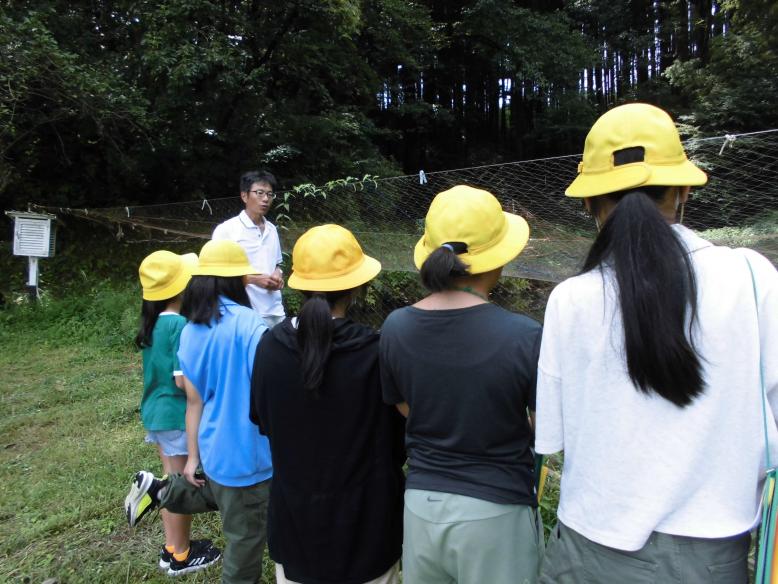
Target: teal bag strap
<point x="766" y="544"/>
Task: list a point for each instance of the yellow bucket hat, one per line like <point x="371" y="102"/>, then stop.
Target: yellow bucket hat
<point x="164" y="274"/>
<point x="328" y="258"/>
<point x="630" y="146"/>
<point x="223" y="258"/>
<point x="475" y="218"/>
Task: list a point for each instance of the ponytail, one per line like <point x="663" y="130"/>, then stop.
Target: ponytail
<point x="314" y="336"/>
<point x="657" y="287"/>
<point x="149" y="314"/>
<point x="442" y="267"/>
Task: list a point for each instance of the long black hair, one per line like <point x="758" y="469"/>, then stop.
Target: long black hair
<point x="657" y="291"/>
<point x="149" y="314"/>
<point x="314" y="335"/>
<point x="442" y="267"/>
<point x="201" y="298"/>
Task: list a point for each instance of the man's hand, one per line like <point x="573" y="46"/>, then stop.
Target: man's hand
<point x="274" y="281"/>
<point x="278" y="279"/>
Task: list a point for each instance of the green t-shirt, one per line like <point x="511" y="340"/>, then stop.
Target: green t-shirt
<point x="163" y="404"/>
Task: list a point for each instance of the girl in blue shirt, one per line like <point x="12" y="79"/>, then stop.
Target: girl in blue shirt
<point x="217" y="356"/>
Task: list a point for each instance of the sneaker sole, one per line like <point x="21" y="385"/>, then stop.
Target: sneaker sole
<point x="191" y="569"/>
<point x="134" y="498"/>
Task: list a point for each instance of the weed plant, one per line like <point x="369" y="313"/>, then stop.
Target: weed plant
<point x="70" y="442"/>
<point x="71" y="437"/>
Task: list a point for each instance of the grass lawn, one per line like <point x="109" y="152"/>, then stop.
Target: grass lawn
<point x="71" y="439"/>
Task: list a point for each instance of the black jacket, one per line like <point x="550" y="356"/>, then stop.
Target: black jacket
<point x="336" y="500"/>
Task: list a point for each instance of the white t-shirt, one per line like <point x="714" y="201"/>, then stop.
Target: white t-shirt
<point x="636" y="463"/>
<point x="263" y="249"/>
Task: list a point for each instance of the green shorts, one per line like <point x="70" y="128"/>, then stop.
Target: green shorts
<point x="457" y="539"/>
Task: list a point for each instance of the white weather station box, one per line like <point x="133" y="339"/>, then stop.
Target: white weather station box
<point x="34" y="237"/>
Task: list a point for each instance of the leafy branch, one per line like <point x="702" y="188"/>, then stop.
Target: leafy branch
<point x="308" y="190"/>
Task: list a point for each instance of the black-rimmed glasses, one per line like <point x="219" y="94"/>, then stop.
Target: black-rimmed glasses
<point x="259" y="193"/>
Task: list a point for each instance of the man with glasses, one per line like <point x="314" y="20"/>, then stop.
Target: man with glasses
<point x="259" y="238"/>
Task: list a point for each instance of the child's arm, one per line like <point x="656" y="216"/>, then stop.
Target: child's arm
<point x="194" y="411"/>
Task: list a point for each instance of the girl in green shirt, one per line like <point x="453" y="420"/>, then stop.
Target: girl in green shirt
<point x="164" y="275"/>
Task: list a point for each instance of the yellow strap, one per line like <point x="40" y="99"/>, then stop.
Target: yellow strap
<point x="542" y="481"/>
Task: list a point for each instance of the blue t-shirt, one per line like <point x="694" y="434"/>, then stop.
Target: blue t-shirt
<point x="218" y="360"/>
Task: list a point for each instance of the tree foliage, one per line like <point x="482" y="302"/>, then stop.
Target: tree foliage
<point x="132" y="101"/>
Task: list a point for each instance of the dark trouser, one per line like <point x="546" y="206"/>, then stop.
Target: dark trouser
<point x="244" y="521"/>
<point x="670" y="559"/>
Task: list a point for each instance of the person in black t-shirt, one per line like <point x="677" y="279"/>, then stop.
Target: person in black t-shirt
<point x="336" y="502"/>
<point x="463" y="373"/>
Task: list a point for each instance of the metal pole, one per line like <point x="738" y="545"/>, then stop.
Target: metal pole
<point x="32" y="278"/>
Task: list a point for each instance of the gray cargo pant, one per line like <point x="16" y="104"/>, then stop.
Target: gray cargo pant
<point x="665" y="559"/>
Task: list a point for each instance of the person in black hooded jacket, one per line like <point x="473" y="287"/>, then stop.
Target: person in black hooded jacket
<point x="336" y="501"/>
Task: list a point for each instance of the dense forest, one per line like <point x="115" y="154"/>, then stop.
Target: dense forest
<point x="108" y="102"/>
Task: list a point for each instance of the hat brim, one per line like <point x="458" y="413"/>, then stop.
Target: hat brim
<point x="225" y="271"/>
<point x="191" y="260"/>
<point x="636" y="175"/>
<point x="175" y="287"/>
<point x="510" y="246"/>
<point x="367" y="270"/>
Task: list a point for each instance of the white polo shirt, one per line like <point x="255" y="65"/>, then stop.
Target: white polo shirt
<point x="263" y="249"/>
<point x="636" y="463"/>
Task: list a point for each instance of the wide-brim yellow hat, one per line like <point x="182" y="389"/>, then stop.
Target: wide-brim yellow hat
<point x="474" y="217"/>
<point x="225" y="259"/>
<point x="631" y="146"/>
<point x="328" y="258"/>
<point x="164" y="274"/>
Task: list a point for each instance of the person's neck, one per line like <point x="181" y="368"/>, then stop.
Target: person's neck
<point x="174" y="305"/>
<point x="449" y="300"/>
<point x="258" y="220"/>
<point x="465" y="292"/>
<point x="340" y="308"/>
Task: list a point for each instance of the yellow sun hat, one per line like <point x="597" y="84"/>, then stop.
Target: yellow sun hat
<point x="225" y="259"/>
<point x="473" y="217"/>
<point x="164" y="274"/>
<point x="328" y="258"/>
<point x="630" y="146"/>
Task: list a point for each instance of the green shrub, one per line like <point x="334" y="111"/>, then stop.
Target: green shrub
<point x="98" y="316"/>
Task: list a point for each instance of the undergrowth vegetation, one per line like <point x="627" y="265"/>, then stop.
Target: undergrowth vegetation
<point x="71" y="436"/>
<point x="71" y="439"/>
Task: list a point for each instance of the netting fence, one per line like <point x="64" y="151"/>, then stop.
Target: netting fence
<point x="738" y="207"/>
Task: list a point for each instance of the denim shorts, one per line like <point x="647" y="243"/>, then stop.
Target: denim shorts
<point x="171" y="442"/>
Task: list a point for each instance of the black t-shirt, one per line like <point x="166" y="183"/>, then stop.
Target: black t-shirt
<point x="469" y="377"/>
<point x="336" y="501"/>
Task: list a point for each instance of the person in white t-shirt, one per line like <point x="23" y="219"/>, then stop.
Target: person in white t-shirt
<point x="649" y="375"/>
<point x="259" y="239"/>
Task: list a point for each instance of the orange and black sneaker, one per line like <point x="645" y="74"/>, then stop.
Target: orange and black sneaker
<point x="199" y="557"/>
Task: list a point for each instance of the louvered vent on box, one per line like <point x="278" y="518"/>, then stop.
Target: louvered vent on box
<point x="34" y="235"/>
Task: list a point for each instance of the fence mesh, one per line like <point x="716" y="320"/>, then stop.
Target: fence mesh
<point x="738" y="207"/>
